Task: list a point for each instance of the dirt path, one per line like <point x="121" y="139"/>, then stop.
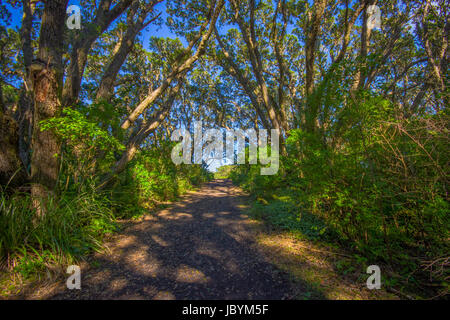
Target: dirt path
<point x="201" y="247"/>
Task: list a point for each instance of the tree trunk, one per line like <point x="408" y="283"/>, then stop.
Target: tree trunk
<point x="312" y="37"/>
<point x="11" y="172"/>
<point x="24" y="115"/>
<point x="46" y="73"/>
<point x="365" y="42"/>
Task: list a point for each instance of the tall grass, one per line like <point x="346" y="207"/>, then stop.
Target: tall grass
<point x="72" y="226"/>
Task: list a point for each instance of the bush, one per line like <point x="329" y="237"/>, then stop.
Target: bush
<point x="71" y="227"/>
<point x="378" y="181"/>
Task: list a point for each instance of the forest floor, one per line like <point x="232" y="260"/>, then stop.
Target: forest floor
<point x="205" y="247"/>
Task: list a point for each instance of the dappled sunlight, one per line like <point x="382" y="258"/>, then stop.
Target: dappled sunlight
<point x="126" y="242"/>
<point x="208" y="215"/>
<point x="175" y="216"/>
<point x="137" y="259"/>
<point x="220" y="149"/>
<point x="117" y="284"/>
<point x="190" y="275"/>
<point x="311" y="264"/>
<point x="164" y="295"/>
<point x="199" y="248"/>
<point x="205" y="248"/>
<point x="210" y="251"/>
<point x="149" y="217"/>
<point x="160" y="241"/>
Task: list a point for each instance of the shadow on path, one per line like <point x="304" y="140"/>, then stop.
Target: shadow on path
<point x="202" y="247"/>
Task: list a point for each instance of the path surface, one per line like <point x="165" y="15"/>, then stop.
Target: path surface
<point x="201" y="247"/>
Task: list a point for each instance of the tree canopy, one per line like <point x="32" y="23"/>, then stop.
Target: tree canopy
<point x="360" y="104"/>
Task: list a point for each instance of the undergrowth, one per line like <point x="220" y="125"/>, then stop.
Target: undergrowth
<point x="78" y="217"/>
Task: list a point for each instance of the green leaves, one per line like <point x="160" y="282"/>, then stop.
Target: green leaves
<point x="74" y="127"/>
<point x="151" y="178"/>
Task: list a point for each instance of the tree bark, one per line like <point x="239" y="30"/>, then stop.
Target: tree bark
<point x="11" y="172"/>
<point x="46" y="73"/>
<point x="312" y="36"/>
<point x="180" y="65"/>
<point x="143" y="132"/>
<point x="103" y="18"/>
<point x="106" y="87"/>
<point x="268" y="101"/>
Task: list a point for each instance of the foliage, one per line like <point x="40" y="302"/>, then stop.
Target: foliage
<point x="224" y="172"/>
<point x="362" y="114"/>
<point x="152" y="178"/>
<point x="78" y="218"/>
<point x="377" y="181"/>
<point x="74" y="128"/>
<point x="72" y="226"/>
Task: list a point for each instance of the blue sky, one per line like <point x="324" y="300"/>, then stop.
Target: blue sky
<point x="160" y="31"/>
<point x="152" y="30"/>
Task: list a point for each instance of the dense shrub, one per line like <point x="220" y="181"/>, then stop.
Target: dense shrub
<point x="376" y="179"/>
<point x="72" y="226"/>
